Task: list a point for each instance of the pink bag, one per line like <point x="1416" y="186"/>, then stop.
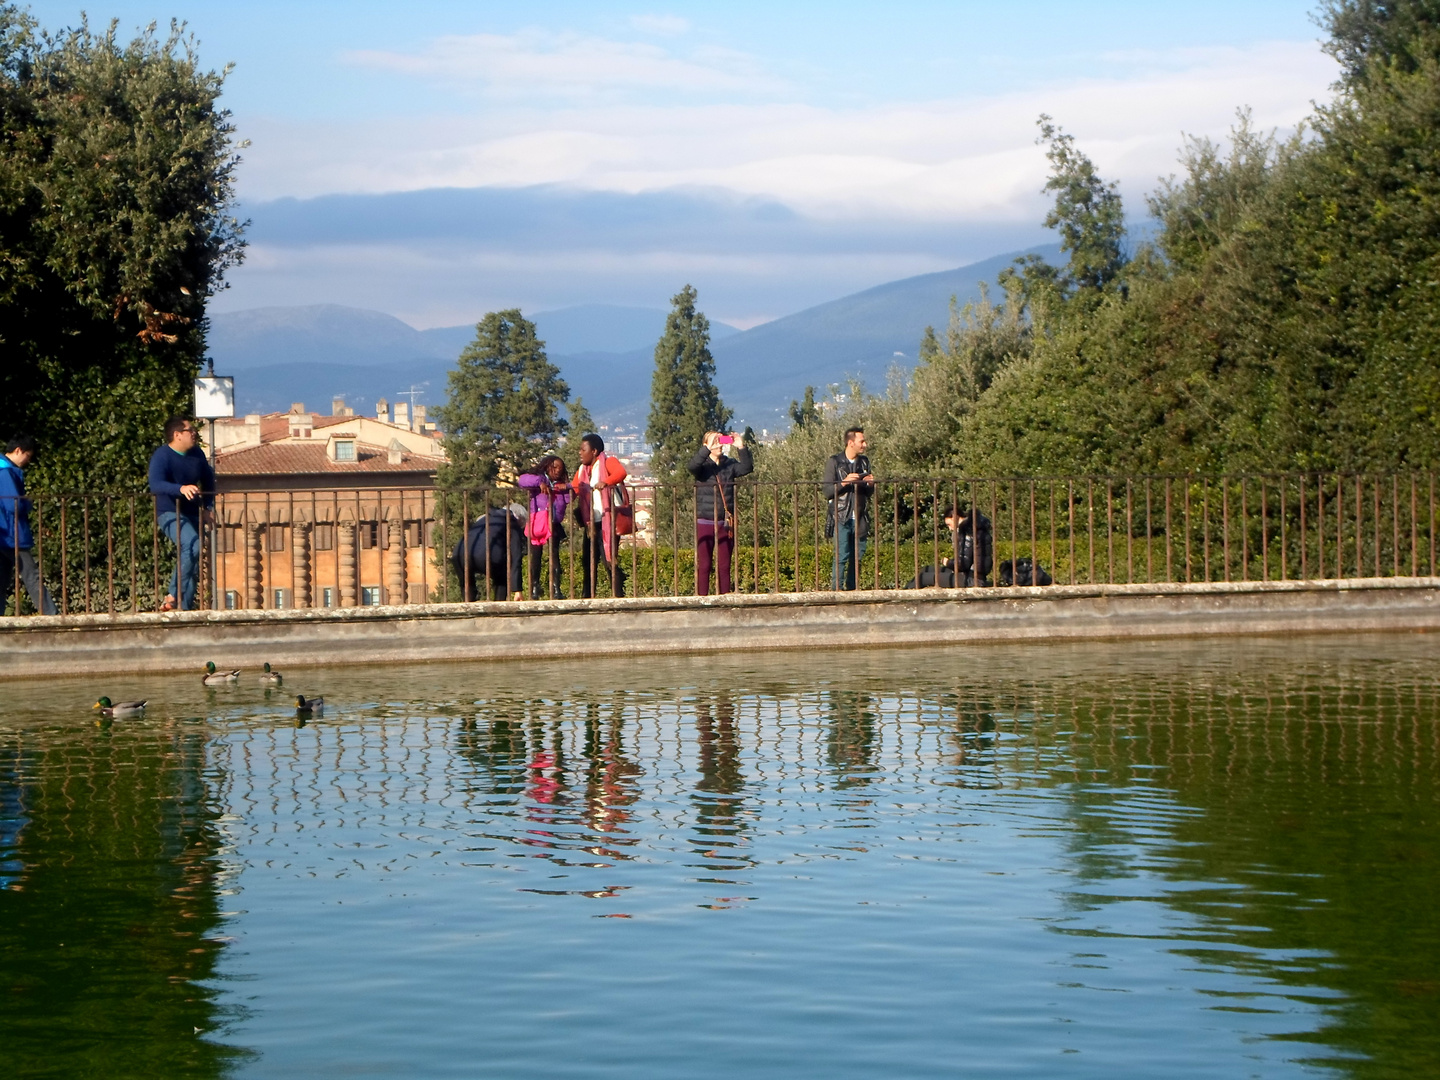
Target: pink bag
<point x="537" y="526"/>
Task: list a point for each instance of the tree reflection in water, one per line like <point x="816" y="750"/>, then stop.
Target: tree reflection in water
<point x="110" y="921"/>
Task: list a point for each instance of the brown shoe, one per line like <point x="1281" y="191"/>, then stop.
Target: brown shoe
<point x="168" y="604"/>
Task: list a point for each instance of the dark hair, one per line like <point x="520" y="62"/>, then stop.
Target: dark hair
<point x="542" y="467"/>
<point x="850" y="433"/>
<point x="596" y="442"/>
<point x="173" y="425"/>
<point x="24" y="443"/>
<point x="957" y="510"/>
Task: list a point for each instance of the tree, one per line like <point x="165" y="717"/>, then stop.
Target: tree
<point x="502" y="404"/>
<point x="684" y="403"/>
<point x="1090" y="217"/>
<point x="1366" y="34"/>
<point x="116" y="192"/>
<point x="805" y="412"/>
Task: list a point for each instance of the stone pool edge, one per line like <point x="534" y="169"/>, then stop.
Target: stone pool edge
<point x="508" y="631"/>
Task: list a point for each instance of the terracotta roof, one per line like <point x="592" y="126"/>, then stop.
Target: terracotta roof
<point x="309" y="458"/>
<point x="276" y="425"/>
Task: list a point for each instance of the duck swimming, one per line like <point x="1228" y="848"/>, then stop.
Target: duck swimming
<point x="217" y="678"/>
<point x="274" y="678"/>
<point x="122" y="711"/>
<point x="309" y="706"/>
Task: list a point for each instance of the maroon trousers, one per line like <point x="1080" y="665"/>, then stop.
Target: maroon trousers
<point x="711" y="540"/>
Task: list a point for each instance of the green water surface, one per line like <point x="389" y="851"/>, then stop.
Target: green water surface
<point x="1153" y="860"/>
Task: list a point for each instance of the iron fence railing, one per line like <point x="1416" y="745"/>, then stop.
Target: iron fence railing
<point x="104" y="553"/>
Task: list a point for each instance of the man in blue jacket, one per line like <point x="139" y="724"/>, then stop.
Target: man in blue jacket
<point x="16" y="539"/>
<point x="182" y="482"/>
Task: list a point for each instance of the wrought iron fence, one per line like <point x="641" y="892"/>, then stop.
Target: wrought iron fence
<point x="104" y="553"/>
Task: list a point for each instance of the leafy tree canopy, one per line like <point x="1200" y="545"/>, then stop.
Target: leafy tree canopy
<point x="116" y="190"/>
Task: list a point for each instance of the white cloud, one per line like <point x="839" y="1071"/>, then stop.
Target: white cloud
<point x="970" y="159"/>
<point x="539" y="62"/>
<point x="660" y="25"/>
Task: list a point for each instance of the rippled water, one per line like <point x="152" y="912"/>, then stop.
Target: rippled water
<point x="1179" y="860"/>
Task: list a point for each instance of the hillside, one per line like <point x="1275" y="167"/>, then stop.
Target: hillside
<point x="605" y="352"/>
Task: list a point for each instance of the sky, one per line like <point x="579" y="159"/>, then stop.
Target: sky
<point x="437" y="160"/>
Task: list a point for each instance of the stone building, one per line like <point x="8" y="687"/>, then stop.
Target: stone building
<point x="329" y="510"/>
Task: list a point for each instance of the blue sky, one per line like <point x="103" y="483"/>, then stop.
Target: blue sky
<point x="876" y="141"/>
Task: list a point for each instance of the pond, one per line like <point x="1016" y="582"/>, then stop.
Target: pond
<point x="1183" y="859"/>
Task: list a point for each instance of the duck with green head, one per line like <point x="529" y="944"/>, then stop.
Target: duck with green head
<point x="218" y="678"/>
<point x="274" y="678"/>
<point x="312" y="706"/>
<point x="123" y="710"/>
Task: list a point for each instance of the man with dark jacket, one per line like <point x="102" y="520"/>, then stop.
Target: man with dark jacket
<point x="495" y="542"/>
<point x="715" y="472"/>
<point x="849" y="485"/>
<point x="969" y="533"/>
<point x="183" y="484"/>
<point x="17" y="541"/>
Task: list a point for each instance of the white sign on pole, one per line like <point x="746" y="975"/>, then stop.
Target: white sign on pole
<point x="214" y="397"/>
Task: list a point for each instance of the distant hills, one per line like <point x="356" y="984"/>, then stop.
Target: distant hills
<point x="279" y="355"/>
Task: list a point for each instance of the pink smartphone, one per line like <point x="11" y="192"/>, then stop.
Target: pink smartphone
<point x="726" y="440"/>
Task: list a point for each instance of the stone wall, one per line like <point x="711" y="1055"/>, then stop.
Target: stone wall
<point x="509" y="632"/>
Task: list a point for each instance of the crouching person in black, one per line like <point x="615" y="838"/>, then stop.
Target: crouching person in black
<point x="972" y="542"/>
<point x="496" y="543"/>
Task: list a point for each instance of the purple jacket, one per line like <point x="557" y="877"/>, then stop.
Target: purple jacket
<point x="558" y="501"/>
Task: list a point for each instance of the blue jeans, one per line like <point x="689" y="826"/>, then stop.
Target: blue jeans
<point x="187" y="559"/>
<point x="848" y="555"/>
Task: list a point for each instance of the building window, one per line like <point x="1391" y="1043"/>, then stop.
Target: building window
<point x="344" y="450"/>
<point x="370" y="596"/>
<point x="281" y="598"/>
<point x="372" y="534"/>
<point x="327" y="597"/>
<point x="227" y="538"/>
<point x="419" y="593"/>
<point x="324" y="537"/>
<point x="232" y="598"/>
<point x="275" y="538"/>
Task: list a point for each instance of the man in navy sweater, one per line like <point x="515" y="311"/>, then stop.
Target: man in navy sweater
<point x="182" y="482"/>
<point x="17" y="540"/>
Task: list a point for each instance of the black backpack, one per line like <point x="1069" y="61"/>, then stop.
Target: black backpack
<point x="1024" y="572"/>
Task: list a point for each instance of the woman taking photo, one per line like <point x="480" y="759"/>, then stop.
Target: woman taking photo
<point x="715" y="472"/>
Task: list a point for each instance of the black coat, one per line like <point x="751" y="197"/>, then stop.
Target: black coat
<point x="494" y="540"/>
<point x="715" y="482"/>
<point x="848" y="501"/>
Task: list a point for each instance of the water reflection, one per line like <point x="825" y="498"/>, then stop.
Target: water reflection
<point x="1236" y="839"/>
<point x="110" y="918"/>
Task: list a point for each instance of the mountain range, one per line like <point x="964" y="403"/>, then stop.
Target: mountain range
<point x="312" y="354"/>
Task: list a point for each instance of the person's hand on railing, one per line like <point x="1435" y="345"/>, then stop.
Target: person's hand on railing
<point x="190" y="491"/>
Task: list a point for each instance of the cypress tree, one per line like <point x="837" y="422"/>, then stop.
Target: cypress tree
<point x="684" y="402"/>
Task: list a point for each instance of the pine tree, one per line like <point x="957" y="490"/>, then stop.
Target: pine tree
<point x="503" y="403"/>
<point x="684" y="402"/>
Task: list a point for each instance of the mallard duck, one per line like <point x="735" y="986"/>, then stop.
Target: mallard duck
<point x="216" y="678"/>
<point x="272" y="677"/>
<point x="120" y="711"/>
<point x="313" y="706"/>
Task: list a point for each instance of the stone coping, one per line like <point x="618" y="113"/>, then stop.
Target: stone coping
<point x="509" y="632"/>
<point x="864" y="597"/>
